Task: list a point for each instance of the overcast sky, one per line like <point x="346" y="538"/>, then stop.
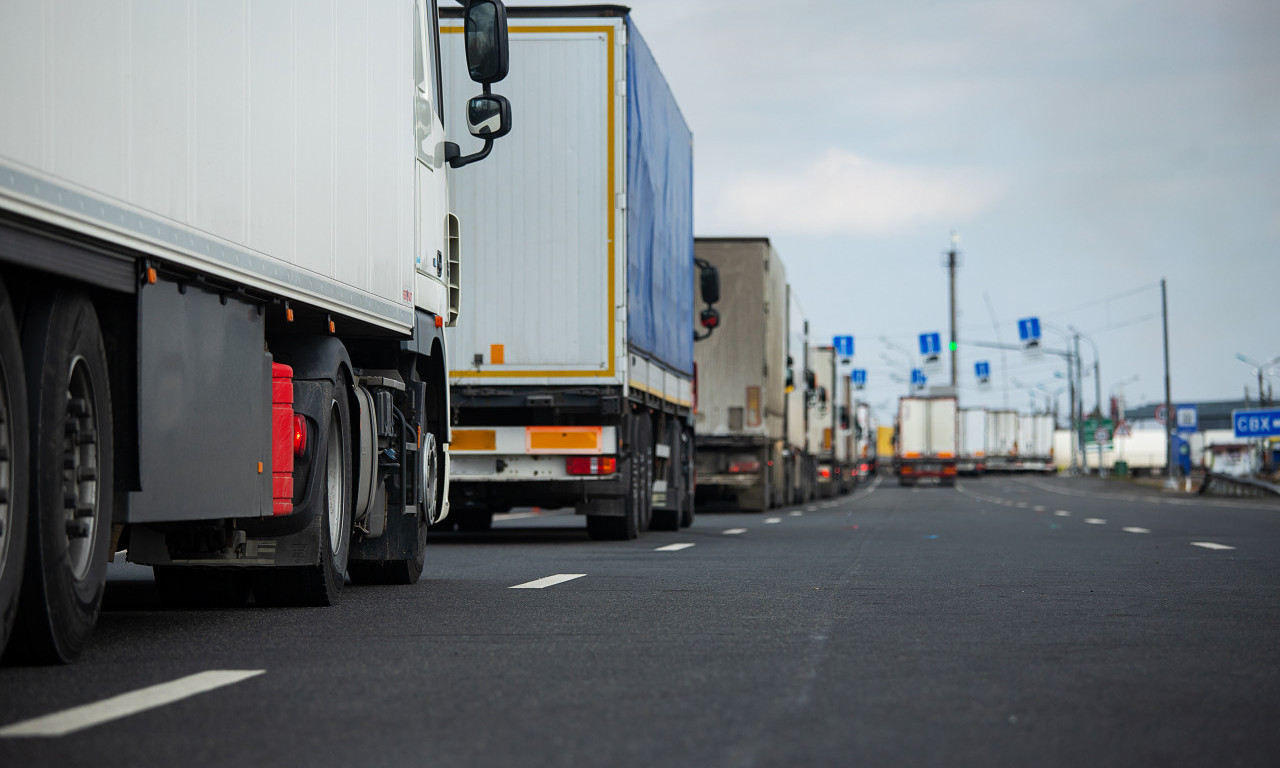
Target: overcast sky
<point x="1082" y="149"/>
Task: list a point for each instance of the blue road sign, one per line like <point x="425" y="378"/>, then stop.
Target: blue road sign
<point x="917" y="377"/>
<point x="843" y="345"/>
<point x="1187" y="418"/>
<point x="930" y="344"/>
<point x="982" y="370"/>
<point x="1029" y="329"/>
<point x="1256" y="422"/>
<point x="859" y="377"/>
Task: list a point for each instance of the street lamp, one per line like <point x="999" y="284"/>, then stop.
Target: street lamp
<point x="1258" y="370"/>
<point x="1097" y="378"/>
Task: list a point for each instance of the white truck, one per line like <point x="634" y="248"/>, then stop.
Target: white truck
<point x="829" y="426"/>
<point x="926" y="440"/>
<point x="741" y="378"/>
<point x="800" y="469"/>
<point x="572" y="370"/>
<point x="866" y="442"/>
<point x="1035" y="443"/>
<point x="226" y="265"/>
<point x="973" y="442"/>
<point x="1002" y="440"/>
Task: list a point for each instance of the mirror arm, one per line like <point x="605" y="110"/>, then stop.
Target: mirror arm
<point x="454" y="157"/>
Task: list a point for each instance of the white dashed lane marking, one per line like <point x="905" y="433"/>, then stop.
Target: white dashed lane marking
<point x="1095" y="521"/>
<point x="734" y="531"/>
<point x="1136" y="530"/>
<point x="673" y="547"/>
<point x="1062" y="513"/>
<point x="549" y="581"/>
<point x="116" y="707"/>
<point x="797" y="513"/>
<point x="772" y="520"/>
<point x="1210" y="545"/>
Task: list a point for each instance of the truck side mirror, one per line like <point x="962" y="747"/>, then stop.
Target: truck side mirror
<point x="489" y="116"/>
<point x="485" y="34"/>
<point x="710" y="284"/>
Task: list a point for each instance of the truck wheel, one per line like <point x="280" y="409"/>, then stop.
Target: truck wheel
<point x="320" y="584"/>
<point x="687" y="478"/>
<point x="13" y="468"/>
<point x="200" y="587"/>
<point x="69" y="403"/>
<point x="668" y="519"/>
<point x="639" y="495"/>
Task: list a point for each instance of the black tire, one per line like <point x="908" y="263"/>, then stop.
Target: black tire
<point x="668" y="518"/>
<point x="14" y="469"/>
<point x="638" y="503"/>
<point x="690" y="470"/>
<point x="201" y="587"/>
<point x="69" y="404"/>
<point x="321" y="583"/>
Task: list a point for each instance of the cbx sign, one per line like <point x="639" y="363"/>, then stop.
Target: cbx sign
<point x="1256" y="422"/>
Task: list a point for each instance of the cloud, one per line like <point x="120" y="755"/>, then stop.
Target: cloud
<point x="844" y="193"/>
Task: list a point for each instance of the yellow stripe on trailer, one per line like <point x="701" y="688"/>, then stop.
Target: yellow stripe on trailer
<point x="474" y="440"/>
<point x="560" y="439"/>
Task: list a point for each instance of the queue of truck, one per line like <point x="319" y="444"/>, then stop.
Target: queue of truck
<point x="264" y="341"/>
<point x="935" y="439"/>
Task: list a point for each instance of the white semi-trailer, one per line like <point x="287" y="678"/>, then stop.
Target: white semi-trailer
<point x="741" y="378"/>
<point x="573" y="368"/>
<point x="1002" y="440"/>
<point x="829" y="425"/>
<point x="226" y="265"/>
<point x="800" y="469"/>
<point x="973" y="441"/>
<point x="927" y="440"/>
<point x="1035" y="443"/>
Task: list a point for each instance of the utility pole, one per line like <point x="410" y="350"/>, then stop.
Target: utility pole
<point x="1168" y="391"/>
<point x="1080" y="405"/>
<point x="951" y="270"/>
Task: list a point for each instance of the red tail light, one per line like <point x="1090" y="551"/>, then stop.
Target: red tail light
<point x="299" y="435"/>
<point x="744" y="467"/>
<point x="590" y="465"/>
<point x="825" y="472"/>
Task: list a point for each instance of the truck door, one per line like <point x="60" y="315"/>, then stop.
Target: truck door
<point x="429" y="173"/>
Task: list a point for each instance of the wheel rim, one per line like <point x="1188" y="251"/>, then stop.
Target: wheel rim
<point x="6" y="470"/>
<point x="430" y="476"/>
<point x="80" y="468"/>
<point x="335" y="481"/>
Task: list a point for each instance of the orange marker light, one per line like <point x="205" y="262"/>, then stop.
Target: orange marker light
<point x="288" y="313"/>
<point x="259" y="467"/>
<point x="331" y="327"/>
<point x="439" y="321"/>
<point x="151" y="275"/>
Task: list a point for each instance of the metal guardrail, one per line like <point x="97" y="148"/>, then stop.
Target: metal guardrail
<point x="1229" y="485"/>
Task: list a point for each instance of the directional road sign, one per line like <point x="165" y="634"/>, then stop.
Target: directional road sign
<point x="917" y="378"/>
<point x="859" y="377"/>
<point x="1186" y="417"/>
<point x="1029" y="330"/>
<point x="930" y="344"/>
<point x="1095" y="427"/>
<point x="982" y="370"/>
<point x="1256" y="422"/>
<point x="843" y="346"/>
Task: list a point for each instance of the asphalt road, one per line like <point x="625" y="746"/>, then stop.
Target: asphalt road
<point x="1009" y="621"/>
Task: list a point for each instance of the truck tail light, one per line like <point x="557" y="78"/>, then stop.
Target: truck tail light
<point x="949" y="470"/>
<point x="590" y="465"/>
<point x="299" y="435"/>
<point x="284" y="439"/>
<point x="826" y="473"/>
<point x="744" y="467"/>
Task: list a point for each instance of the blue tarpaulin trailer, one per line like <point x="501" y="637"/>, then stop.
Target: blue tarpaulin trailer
<point x="576" y="329"/>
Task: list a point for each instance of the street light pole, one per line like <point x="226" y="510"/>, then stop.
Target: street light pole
<point x="951" y="270"/>
<point x="1168" y="391"/>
